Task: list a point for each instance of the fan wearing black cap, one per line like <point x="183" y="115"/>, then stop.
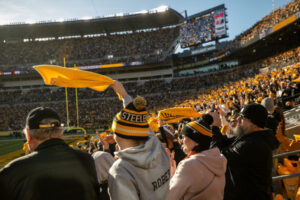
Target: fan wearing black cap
<point x="201" y="175"/>
<point x="52" y="170"/>
<point x="249" y="156"/>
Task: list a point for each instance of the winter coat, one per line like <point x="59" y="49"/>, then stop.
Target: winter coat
<point x="52" y="171"/>
<point x="201" y="176"/>
<point x="249" y="160"/>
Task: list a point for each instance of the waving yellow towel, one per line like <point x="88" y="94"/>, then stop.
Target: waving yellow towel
<point x="176" y="114"/>
<point x="67" y="77"/>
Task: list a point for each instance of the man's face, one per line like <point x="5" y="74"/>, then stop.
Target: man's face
<point x="243" y="126"/>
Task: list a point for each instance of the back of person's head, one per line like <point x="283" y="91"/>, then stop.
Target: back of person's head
<point x="43" y="123"/>
<point x="268" y="103"/>
<point x="200" y="132"/>
<point x="131" y="122"/>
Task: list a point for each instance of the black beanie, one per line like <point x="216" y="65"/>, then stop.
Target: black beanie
<point x="199" y="131"/>
<point x="256" y="113"/>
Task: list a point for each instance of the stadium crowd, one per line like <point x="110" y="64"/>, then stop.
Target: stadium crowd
<point x="184" y="91"/>
<point x="202" y="163"/>
<point x="269" y="21"/>
<point x="138" y="46"/>
<point x="261" y="27"/>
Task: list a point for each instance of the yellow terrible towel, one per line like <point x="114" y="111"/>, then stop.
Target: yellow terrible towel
<point x="67" y="77"/>
<point x="176" y="114"/>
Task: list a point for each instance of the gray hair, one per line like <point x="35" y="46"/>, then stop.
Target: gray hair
<point x="45" y="133"/>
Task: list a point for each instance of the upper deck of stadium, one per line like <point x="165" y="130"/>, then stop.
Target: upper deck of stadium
<point x="155" y="18"/>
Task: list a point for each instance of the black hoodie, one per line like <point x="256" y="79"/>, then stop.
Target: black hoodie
<point x="249" y="167"/>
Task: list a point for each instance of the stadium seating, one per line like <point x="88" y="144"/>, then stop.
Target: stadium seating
<point x="138" y="46"/>
<point x="181" y="91"/>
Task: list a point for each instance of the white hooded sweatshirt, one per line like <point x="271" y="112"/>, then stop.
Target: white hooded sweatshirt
<point x="141" y="172"/>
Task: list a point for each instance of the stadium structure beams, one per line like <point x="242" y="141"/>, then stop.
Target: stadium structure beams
<point x="92" y="26"/>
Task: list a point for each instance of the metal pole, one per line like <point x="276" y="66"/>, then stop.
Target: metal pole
<point x="286" y="154"/>
<point x="67" y="104"/>
<point x="277" y="178"/>
<point x="76" y="96"/>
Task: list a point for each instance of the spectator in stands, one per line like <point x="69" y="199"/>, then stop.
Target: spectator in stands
<point x="167" y="137"/>
<point x="52" y="170"/>
<point x="249" y="156"/>
<point x="103" y="162"/>
<point x="273" y="117"/>
<point x="142" y="170"/>
<point x="202" y="174"/>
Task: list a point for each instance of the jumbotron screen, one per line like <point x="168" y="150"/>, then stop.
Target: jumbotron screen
<point x="203" y="27"/>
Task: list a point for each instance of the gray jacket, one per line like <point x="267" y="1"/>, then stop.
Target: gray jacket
<point x="141" y="172"/>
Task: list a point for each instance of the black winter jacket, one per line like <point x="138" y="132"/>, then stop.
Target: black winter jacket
<point x="52" y="171"/>
<point x="249" y="164"/>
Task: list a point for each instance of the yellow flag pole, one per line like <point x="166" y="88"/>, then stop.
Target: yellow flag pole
<point x="77" y="116"/>
<point x="77" y="107"/>
<point x="67" y="105"/>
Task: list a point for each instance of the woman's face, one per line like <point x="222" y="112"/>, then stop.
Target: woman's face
<point x="188" y="144"/>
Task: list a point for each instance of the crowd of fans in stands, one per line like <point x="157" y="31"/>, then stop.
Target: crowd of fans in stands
<point x="151" y="46"/>
<point x="196" y="90"/>
<point x="278" y="15"/>
<point x="138" y="46"/>
<point x="262" y="26"/>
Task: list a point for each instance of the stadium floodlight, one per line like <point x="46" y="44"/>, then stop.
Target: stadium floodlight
<point x="30" y="22"/>
<point x="120" y="14"/>
<point x="2" y="22"/>
<point x="86" y="18"/>
<point x="162" y="8"/>
<point x="141" y="12"/>
<point x="60" y="20"/>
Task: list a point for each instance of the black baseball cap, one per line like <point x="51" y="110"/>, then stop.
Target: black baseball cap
<point x="42" y="117"/>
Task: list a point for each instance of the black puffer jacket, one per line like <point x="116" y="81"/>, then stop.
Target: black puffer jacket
<point x="249" y="167"/>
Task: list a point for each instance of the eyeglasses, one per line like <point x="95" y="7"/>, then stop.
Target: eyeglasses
<point x="241" y="117"/>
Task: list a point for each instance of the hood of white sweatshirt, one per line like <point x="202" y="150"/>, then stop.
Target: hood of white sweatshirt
<point x="145" y="156"/>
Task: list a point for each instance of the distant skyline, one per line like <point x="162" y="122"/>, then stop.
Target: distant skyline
<point x="242" y="14"/>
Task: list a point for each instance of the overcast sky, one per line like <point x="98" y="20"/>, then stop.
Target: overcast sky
<point x="242" y="14"/>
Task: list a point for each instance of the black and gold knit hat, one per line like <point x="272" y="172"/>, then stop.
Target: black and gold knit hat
<point x="199" y="131"/>
<point x="131" y="122"/>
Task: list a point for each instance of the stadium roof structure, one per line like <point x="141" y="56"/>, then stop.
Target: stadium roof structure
<point x="116" y="23"/>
